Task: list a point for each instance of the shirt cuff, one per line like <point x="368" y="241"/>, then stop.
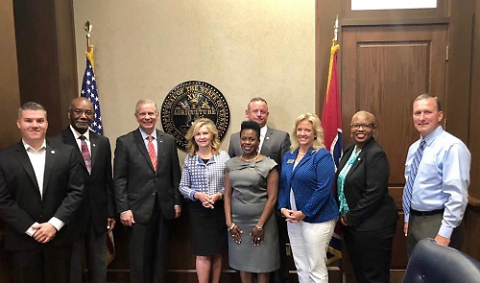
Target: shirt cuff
<point x="30" y="231"/>
<point x="406" y="217"/>
<point x="192" y="195"/>
<point x="57" y="223"/>
<point x="445" y="231"/>
<point x="125" y="212"/>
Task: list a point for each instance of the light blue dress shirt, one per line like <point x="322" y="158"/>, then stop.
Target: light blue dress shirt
<point x="442" y="179"/>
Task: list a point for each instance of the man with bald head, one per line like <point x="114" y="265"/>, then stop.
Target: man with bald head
<point x="96" y="215"/>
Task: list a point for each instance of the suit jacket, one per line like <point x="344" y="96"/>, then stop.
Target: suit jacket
<point x="20" y="202"/>
<point x="137" y="184"/>
<point x="275" y="144"/>
<point x="311" y="182"/>
<point x="98" y="203"/>
<point x="366" y="189"/>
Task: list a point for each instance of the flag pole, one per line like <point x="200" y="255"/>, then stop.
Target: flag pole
<point x="335" y="32"/>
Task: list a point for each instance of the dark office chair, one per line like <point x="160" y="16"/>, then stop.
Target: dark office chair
<point x="432" y="263"/>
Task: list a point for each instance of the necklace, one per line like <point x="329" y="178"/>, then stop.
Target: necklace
<point x="301" y="153"/>
<point x="248" y="160"/>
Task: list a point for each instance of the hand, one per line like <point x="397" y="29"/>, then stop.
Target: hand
<point x="236" y="234"/>
<point x="110" y="224"/>
<point x="442" y="241"/>
<point x="295" y="216"/>
<point x="344" y="220"/>
<point x="127" y="218"/>
<point x="205" y="199"/>
<point x="405" y="228"/>
<point x="215" y="197"/>
<point x="45" y="232"/>
<point x="178" y="210"/>
<point x="257" y="236"/>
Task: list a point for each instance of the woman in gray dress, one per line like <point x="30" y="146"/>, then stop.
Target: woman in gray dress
<point x="251" y="185"/>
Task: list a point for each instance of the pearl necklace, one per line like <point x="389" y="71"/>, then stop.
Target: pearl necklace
<point x="248" y="160"/>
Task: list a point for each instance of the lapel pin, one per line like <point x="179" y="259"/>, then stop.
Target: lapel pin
<point x="359" y="159"/>
<point x="93" y="145"/>
<point x="52" y="152"/>
<point x="268" y="138"/>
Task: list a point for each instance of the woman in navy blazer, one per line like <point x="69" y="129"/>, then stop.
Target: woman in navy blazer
<point x="368" y="213"/>
<point x="305" y="198"/>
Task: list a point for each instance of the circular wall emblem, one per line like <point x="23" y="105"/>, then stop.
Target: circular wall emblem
<point x="192" y="100"/>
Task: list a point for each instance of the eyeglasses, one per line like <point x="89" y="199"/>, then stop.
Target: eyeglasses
<point x="365" y="126"/>
<point x="79" y="112"/>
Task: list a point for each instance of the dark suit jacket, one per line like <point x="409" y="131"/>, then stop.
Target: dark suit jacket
<point x="275" y="144"/>
<point x="366" y="189"/>
<point x="20" y="201"/>
<point x="98" y="203"/>
<point x="136" y="183"/>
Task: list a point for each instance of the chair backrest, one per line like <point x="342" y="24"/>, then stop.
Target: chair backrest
<point x="432" y="263"/>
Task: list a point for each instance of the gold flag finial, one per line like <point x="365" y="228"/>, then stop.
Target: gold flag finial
<point x="88" y="29"/>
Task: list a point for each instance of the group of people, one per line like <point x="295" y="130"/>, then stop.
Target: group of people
<point x="243" y="201"/>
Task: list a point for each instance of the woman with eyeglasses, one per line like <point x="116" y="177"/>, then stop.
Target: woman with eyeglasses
<point x="367" y="212"/>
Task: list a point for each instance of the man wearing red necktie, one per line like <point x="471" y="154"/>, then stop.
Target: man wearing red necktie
<point x="146" y="178"/>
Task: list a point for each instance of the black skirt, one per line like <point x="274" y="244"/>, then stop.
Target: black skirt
<point x="209" y="233"/>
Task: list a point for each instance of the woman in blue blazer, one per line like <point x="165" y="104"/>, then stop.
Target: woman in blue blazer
<point x="305" y="198"/>
<point x="368" y="213"/>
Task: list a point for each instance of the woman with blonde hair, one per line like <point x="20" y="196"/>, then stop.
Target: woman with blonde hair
<point x="202" y="182"/>
<point x="305" y="198"/>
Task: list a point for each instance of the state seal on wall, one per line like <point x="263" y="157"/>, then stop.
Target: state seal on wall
<point x="189" y="101"/>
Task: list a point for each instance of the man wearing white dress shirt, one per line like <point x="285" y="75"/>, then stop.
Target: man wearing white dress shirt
<point x="435" y="204"/>
<point x="40" y="190"/>
<point x="96" y="215"/>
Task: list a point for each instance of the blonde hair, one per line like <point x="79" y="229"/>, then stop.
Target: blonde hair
<point x="317" y="129"/>
<point x="192" y="146"/>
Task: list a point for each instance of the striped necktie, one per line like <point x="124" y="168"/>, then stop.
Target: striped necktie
<point x="152" y="153"/>
<point x="407" y="192"/>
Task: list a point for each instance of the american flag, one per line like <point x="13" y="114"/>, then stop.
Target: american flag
<point x="90" y="91"/>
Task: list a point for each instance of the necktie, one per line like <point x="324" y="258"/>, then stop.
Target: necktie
<point x="86" y="154"/>
<point x="407" y="193"/>
<point x="152" y="153"/>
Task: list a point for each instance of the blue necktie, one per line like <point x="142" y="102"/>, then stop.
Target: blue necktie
<point x="407" y="192"/>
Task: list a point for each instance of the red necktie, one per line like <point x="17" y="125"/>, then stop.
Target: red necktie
<point x="152" y="153"/>
<point x="86" y="154"/>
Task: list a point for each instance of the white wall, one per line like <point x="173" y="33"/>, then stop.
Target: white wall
<point x="247" y="48"/>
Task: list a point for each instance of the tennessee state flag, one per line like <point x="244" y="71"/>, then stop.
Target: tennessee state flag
<point x="332" y="130"/>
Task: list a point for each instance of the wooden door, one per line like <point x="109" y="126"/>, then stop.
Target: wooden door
<point x="383" y="70"/>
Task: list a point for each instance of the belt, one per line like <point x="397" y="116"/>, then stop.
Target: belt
<point x="425" y="213"/>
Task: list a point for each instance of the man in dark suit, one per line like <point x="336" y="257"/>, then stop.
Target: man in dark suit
<point x="40" y="190"/>
<point x="273" y="143"/>
<point x="96" y="215"/>
<point x="146" y="177"/>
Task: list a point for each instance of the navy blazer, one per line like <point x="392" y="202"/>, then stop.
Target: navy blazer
<point x="136" y="183"/>
<point x="366" y="189"/>
<point x="311" y="182"/>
